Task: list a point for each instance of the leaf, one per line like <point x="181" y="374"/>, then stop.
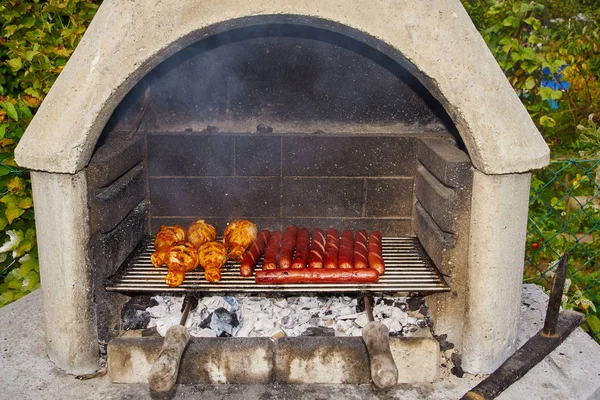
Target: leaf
<point x="25" y="203"/>
<point x="3" y="130"/>
<point x="3" y="223"/>
<point x="547" y="121"/>
<point x="593" y="322"/>
<point x="10" y="110"/>
<point x="530" y="83"/>
<point x="15" y="64"/>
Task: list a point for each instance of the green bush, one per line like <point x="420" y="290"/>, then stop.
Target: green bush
<point x="36" y="39"/>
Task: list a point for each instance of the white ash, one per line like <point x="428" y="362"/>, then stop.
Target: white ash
<point x="253" y="316"/>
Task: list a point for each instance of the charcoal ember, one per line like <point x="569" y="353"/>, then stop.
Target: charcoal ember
<point x="387" y="302"/>
<point x="262" y="128"/>
<point x="456" y="359"/>
<point x="397" y="333"/>
<point x="401" y="305"/>
<point x="444" y="343"/>
<point x="223" y="321"/>
<point x="318" y="331"/>
<point x="457" y="371"/>
<point x="415" y="303"/>
<point x="134" y="314"/>
<point x="205" y="323"/>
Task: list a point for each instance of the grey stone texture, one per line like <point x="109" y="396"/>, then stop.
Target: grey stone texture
<point x="62" y="224"/>
<point x="496" y="252"/>
<point x="436" y="41"/>
<point x="570" y="372"/>
<point x="300" y="360"/>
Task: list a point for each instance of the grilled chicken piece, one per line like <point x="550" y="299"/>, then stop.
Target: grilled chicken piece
<point x="166" y="236"/>
<point x="182" y="257"/>
<point x="200" y="232"/>
<point x="238" y="236"/>
<point x="212" y="256"/>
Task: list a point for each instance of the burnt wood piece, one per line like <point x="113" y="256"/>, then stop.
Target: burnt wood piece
<point x="555" y="297"/>
<point x="527" y="357"/>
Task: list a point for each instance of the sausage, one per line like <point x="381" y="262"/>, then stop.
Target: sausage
<point x="270" y="259"/>
<point x="331" y="248"/>
<point x="375" y="257"/>
<point x="253" y="254"/>
<point x="302" y="245"/>
<point x="287" y="247"/>
<point x="360" y="249"/>
<point x="346" y="256"/>
<point x="317" y="248"/>
<point x="316" y="275"/>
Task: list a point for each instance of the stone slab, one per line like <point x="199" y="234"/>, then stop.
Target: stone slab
<point x="113" y="159"/>
<point x="445" y="161"/>
<point x="436" y="41"/>
<point x="440" y="202"/>
<point x="570" y="372"/>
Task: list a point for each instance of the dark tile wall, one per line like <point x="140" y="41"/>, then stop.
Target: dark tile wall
<point x="345" y="181"/>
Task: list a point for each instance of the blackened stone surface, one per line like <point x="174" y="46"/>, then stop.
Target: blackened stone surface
<point x="108" y="206"/>
<point x="445" y="161"/>
<point x="257" y="156"/>
<point x="348" y="156"/>
<point x="434" y="240"/>
<point x="283" y="79"/>
<point x="115" y="157"/>
<point x="441" y="202"/>
<point x="190" y="155"/>
<point x="107" y="252"/>
<point x="226" y="196"/>
<point x="323" y="197"/>
<point x="134" y="314"/>
<point x="318" y="331"/>
<point x="390" y="227"/>
<point x="389" y="197"/>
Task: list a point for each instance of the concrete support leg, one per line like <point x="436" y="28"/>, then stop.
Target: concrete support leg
<point x="496" y="253"/>
<point x="61" y="213"/>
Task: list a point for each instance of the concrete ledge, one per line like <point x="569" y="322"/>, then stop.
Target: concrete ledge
<point x="300" y="360"/>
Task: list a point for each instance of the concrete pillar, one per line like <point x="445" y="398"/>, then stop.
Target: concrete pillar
<point x="62" y="222"/>
<point x="496" y="253"/>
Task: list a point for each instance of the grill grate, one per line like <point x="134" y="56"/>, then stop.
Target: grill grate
<point x="408" y="270"/>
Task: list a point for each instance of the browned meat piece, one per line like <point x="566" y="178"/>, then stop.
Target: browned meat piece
<point x="200" y="232"/>
<point x="166" y="236"/>
<point x="181" y="258"/>
<point x="238" y="236"/>
<point x="212" y="256"/>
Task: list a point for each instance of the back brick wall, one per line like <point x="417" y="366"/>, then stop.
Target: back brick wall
<point x="275" y="180"/>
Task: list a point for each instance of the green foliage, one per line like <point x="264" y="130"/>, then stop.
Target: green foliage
<point x="564" y="216"/>
<point x="562" y="37"/>
<point x="36" y="39"/>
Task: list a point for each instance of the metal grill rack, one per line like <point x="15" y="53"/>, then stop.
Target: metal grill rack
<point x="408" y="270"/>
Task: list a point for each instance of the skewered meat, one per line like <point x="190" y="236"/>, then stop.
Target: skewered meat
<point x="166" y="236"/>
<point x="181" y="258"/>
<point x="317" y="247"/>
<point x="287" y="247"/>
<point x="346" y="254"/>
<point x="238" y="236"/>
<point x="253" y="255"/>
<point x="200" y="232"/>
<point x="331" y="249"/>
<point x="302" y="247"/>
<point x="317" y="275"/>
<point x="375" y="257"/>
<point x="272" y="251"/>
<point x="360" y="249"/>
<point x="212" y="256"/>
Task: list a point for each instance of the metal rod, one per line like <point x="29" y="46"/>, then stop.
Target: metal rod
<point x="558" y="286"/>
<point x="368" y="307"/>
<point x="189" y="301"/>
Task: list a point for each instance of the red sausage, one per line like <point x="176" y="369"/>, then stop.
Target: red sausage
<point x="331" y="248"/>
<point x="346" y="256"/>
<point x="317" y="248"/>
<point x="310" y="275"/>
<point x="287" y="247"/>
<point x="375" y="257"/>
<point x="253" y="254"/>
<point x="360" y="249"/>
<point x="302" y="244"/>
<point x="270" y="260"/>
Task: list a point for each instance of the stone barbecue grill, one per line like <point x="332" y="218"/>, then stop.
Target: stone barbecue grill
<point x="382" y="115"/>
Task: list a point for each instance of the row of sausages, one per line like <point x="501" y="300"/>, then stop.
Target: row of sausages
<point x="350" y="257"/>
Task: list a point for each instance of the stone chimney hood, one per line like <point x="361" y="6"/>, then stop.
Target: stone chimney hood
<point x="435" y="40"/>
